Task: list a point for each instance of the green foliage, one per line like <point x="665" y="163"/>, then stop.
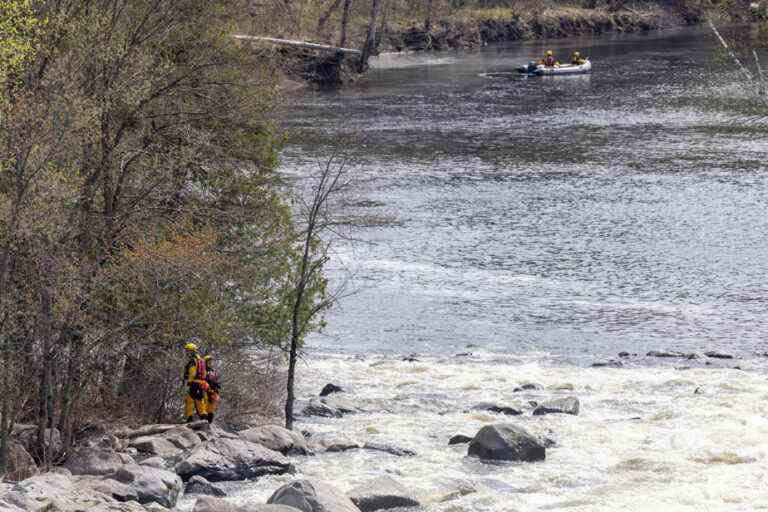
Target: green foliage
<point x="20" y="29"/>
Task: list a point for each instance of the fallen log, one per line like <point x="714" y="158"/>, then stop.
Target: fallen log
<point x="298" y="44"/>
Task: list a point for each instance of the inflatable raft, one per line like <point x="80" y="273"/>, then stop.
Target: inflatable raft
<point x="534" y="69"/>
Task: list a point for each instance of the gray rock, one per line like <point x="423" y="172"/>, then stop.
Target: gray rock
<point x="504" y="441"/>
<point x="223" y="459"/>
<point x="108" y="486"/>
<point x="86" y="461"/>
<point x="331" y="388"/>
<point x="501" y="409"/>
<point x="607" y="364"/>
<point x="155" y="462"/>
<point x="199" y="485"/>
<point x="459" y="439"/>
<point x="56" y="492"/>
<point x="105" y="442"/>
<point x="312" y="497"/>
<point x="208" y="504"/>
<point x="718" y="355"/>
<point x="569" y="405"/>
<point x="671" y="354"/>
<point x="167" y="444"/>
<point x="317" y="408"/>
<point x="151" y="484"/>
<point x="381" y="493"/>
<point x="277" y="438"/>
<point x="155" y="445"/>
<point x="392" y="450"/>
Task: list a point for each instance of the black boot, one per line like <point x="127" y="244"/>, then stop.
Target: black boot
<point x="190" y="419"/>
<point x="210" y="417"/>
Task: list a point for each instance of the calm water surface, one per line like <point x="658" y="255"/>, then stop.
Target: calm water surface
<point x="625" y="210"/>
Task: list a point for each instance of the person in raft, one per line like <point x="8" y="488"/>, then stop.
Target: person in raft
<point x="576" y="59"/>
<point x="549" y="59"/>
<point x="195" y="399"/>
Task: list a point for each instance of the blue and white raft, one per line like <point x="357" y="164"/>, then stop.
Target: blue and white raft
<point x="536" y="69"/>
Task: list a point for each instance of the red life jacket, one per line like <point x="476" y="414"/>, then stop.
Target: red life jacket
<point x="550" y="61"/>
<point x="201" y="372"/>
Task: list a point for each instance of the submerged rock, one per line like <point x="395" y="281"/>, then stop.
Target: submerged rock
<point x="569" y="405"/>
<point x="501" y="409"/>
<point x="381" y="493"/>
<point x="671" y="354"/>
<point x="504" y="441"/>
<point x="392" y="450"/>
<point x="277" y="438"/>
<point x="607" y="364"/>
<point x="330" y="407"/>
<point x="221" y="460"/>
<point x="313" y="497"/>
<point x="459" y="439"/>
<point x="718" y="355"/>
<point x="528" y="386"/>
<point x="331" y="388"/>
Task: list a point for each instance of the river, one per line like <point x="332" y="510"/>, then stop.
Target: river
<point x="540" y="225"/>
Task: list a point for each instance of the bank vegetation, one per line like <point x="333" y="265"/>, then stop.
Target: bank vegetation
<point x="139" y="206"/>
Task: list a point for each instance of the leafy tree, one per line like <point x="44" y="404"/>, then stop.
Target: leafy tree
<point x="138" y="206"/>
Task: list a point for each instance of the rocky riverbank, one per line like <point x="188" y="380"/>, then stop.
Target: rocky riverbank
<point x="451" y="418"/>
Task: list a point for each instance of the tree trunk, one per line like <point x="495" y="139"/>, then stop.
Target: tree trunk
<point x="428" y="17"/>
<point x="344" y="22"/>
<point x="370" y="40"/>
<point x="324" y="18"/>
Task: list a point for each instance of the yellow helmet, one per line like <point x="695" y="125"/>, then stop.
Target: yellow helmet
<point x="207" y="357"/>
<point x="191" y="347"/>
<point x="576" y="54"/>
<point x="549" y="53"/>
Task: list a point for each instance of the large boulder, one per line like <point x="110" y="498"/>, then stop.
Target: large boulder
<point x="199" y="485"/>
<point x="278" y="439"/>
<point x="20" y="464"/>
<point x="381" y="493"/>
<point x="151" y="484"/>
<point x="85" y="461"/>
<point x="208" y="504"/>
<point x="221" y="460"/>
<point x="504" y="441"/>
<point x="568" y="405"/>
<point x="459" y="439"/>
<point x="313" y="497"/>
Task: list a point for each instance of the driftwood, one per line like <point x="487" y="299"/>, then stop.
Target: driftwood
<point x="298" y="44"/>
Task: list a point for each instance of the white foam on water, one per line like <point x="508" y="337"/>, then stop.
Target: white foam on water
<point x="647" y="438"/>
